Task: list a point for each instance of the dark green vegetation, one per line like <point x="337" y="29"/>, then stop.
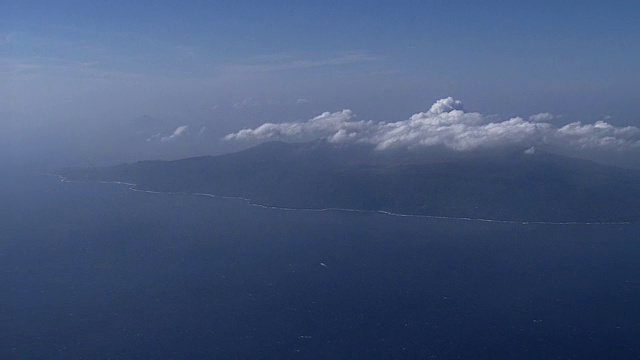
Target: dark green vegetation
<point x="506" y="184"/>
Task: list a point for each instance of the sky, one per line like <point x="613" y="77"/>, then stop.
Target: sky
<point x="94" y="83"/>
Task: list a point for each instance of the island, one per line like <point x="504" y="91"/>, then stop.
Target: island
<point x="509" y="184"/>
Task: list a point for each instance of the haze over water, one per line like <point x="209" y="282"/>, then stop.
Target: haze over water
<point x="97" y="271"/>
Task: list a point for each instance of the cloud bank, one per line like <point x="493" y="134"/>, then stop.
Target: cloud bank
<point x="448" y="124"/>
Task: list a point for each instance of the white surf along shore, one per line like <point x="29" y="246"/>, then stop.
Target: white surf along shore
<point x="132" y="187"/>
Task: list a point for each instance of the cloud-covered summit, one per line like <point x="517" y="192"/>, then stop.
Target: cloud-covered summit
<point x="325" y="124"/>
<point x="448" y="124"/>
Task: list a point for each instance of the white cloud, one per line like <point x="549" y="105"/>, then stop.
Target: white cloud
<point x="447" y="124"/>
<point x="599" y="134"/>
<point x="325" y="124"/>
<point x="178" y="132"/>
<point x="543" y="117"/>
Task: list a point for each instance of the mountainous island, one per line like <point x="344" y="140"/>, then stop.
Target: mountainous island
<point x="511" y="184"/>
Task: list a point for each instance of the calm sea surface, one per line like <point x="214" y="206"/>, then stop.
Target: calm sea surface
<point x="96" y="271"/>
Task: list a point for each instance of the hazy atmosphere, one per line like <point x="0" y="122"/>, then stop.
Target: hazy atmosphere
<point x="319" y="179"/>
<point x="101" y="83"/>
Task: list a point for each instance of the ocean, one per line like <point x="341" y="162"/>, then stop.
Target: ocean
<point x="96" y="271"/>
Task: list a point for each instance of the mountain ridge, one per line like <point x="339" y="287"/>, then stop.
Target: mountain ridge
<point x="502" y="185"/>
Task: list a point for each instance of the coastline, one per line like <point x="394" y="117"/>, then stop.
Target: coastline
<point x="132" y="187"/>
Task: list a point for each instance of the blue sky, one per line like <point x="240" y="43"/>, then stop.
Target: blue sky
<point x="236" y="64"/>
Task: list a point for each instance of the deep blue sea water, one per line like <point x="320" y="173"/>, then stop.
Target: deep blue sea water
<point x="96" y="271"/>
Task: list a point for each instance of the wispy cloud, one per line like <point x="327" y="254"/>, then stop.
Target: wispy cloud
<point x="178" y="132"/>
<point x="246" y="103"/>
<point x="60" y="67"/>
<point x="16" y="67"/>
<point x="107" y="50"/>
<point x="286" y="63"/>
